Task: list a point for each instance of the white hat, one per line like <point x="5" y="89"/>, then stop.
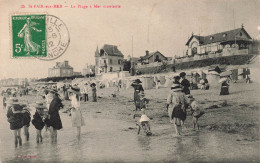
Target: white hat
<point x="144" y="118"/>
<point x="176" y="87"/>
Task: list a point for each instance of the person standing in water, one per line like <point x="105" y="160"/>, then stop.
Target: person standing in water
<point x="76" y="114"/>
<point x="54" y="121"/>
<point x="176" y="107"/>
<point x="15" y="118"/>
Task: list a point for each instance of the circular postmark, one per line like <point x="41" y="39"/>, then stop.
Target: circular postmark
<point x="57" y="38"/>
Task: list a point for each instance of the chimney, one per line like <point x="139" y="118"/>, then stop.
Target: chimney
<point x="66" y="63"/>
<point x="146" y="52"/>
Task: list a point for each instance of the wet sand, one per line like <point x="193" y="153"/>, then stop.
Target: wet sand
<point x="229" y="131"/>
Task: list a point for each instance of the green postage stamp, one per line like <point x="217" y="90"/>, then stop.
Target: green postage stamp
<point x="28" y="36"/>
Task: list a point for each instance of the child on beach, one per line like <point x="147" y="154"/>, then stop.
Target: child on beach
<point x="144" y="124"/>
<point x="15" y="118"/>
<point x="26" y="121"/>
<point x="76" y="114"/>
<point x="196" y="112"/>
<point x="38" y="120"/>
<point x="140" y="103"/>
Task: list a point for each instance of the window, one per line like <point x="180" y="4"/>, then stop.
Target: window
<point x="120" y="68"/>
<point x="241" y="34"/>
<point x="157" y="59"/>
<point x="194" y="51"/>
<point x="111" y="69"/>
<point x="110" y="61"/>
<point x="224" y="35"/>
<point x="211" y="38"/>
<point x="119" y="62"/>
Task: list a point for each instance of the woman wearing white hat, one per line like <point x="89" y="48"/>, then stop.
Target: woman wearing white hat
<point x="76" y="114"/>
<point x="176" y="107"/>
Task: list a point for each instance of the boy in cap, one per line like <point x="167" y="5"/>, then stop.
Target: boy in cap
<point x="38" y="120"/>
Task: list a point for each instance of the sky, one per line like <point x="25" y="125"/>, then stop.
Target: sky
<point x="162" y="25"/>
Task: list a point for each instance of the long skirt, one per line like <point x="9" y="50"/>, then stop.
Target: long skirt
<point x="224" y="91"/>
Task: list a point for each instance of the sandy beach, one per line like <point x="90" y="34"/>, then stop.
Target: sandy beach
<point x="229" y="130"/>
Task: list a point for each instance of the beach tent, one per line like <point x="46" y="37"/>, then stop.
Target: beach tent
<point x="255" y="74"/>
<point x="168" y="82"/>
<point x="213" y="79"/>
<point x="147" y="82"/>
<point x="128" y="83"/>
<point x="162" y="79"/>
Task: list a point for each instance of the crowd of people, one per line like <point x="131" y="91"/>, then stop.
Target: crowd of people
<point x="47" y="106"/>
<point x="178" y="101"/>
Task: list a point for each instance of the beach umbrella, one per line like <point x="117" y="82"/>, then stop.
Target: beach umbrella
<point x="222" y="80"/>
<point x="225" y="73"/>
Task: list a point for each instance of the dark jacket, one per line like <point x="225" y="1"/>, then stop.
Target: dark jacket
<point x="38" y="121"/>
<point x="15" y="120"/>
<point x="54" y="119"/>
<point x="185" y="85"/>
<point x="26" y="118"/>
<point x="137" y="89"/>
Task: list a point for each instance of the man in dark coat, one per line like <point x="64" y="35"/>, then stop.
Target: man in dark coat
<point x="54" y="121"/>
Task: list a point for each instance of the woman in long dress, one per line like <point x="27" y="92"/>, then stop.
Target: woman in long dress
<point x="26" y="32"/>
<point x="54" y="121"/>
<point x="176" y="107"/>
<point x="76" y="114"/>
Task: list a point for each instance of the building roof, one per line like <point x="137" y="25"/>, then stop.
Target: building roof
<point x="62" y="65"/>
<point x="218" y="37"/>
<point x="150" y="55"/>
<point x="110" y="50"/>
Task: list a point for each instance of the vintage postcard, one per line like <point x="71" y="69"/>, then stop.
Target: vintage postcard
<point x="129" y="81"/>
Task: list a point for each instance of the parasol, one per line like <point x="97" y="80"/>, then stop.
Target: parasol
<point x="222" y="80"/>
<point x="225" y="73"/>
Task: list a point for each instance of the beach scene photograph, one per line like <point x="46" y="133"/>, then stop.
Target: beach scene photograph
<point x="130" y="81"/>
